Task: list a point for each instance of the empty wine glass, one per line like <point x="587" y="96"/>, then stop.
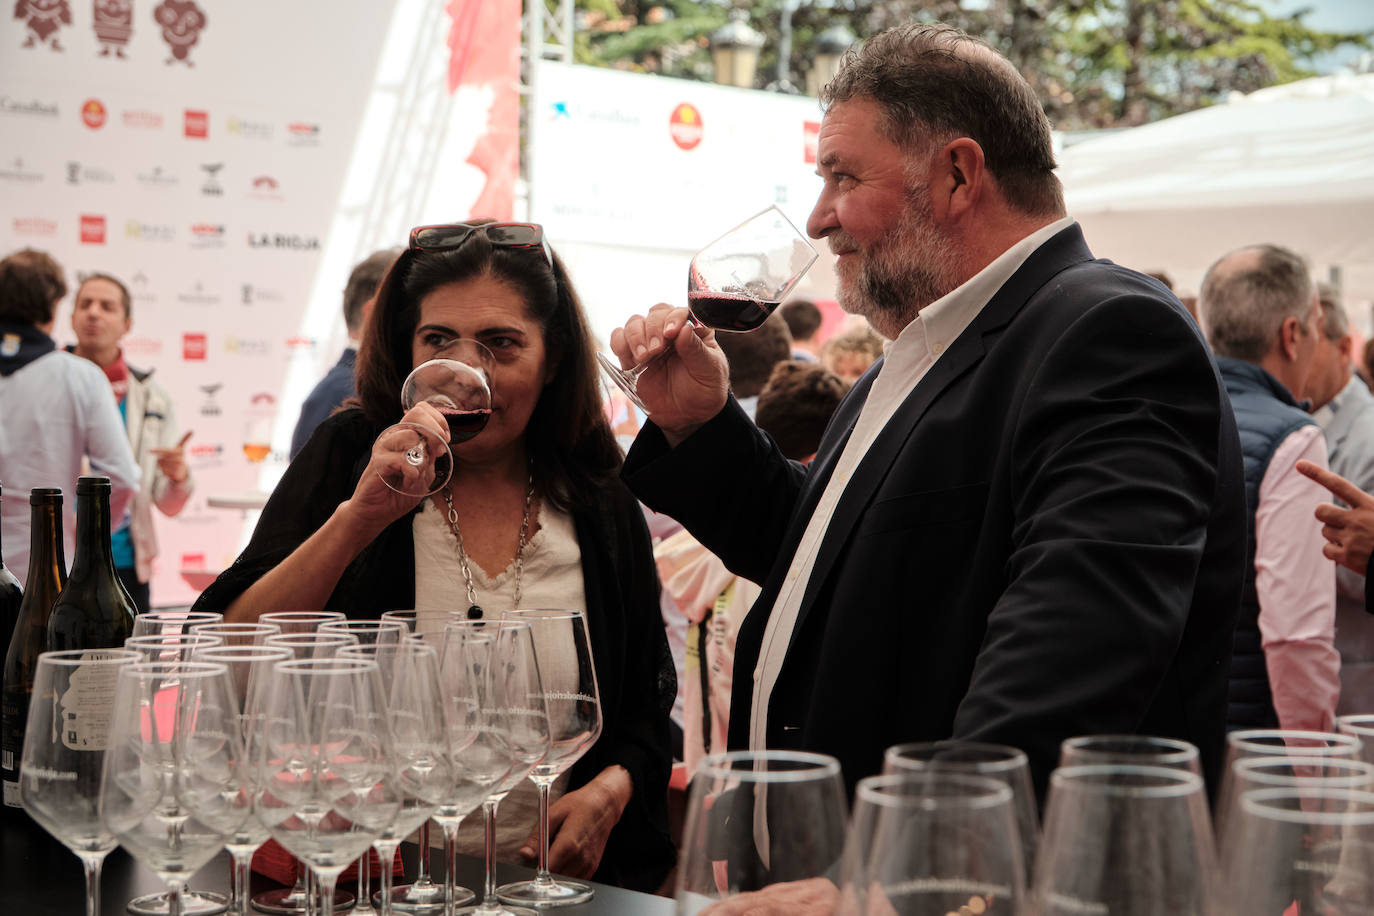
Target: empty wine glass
<point x="1250" y="773"/>
<point x="1125" y="841"/>
<point x="237" y="634"/>
<point x="759" y="819"/>
<point x="249" y="667"/>
<point x="932" y="841"/>
<point x="568" y="675"/>
<point x="424" y="757"/>
<point x="327" y="764"/>
<point x="417" y="461"/>
<point x="421" y="896"/>
<point x="321" y="644"/>
<point x="65" y="740"/>
<point x="997" y="761"/>
<point x="735" y="283"/>
<point x="172" y="772"/>
<point x="1132" y="750"/>
<point x="1361" y="727"/>
<point x="1277" y="742"/>
<point x="293" y="901"/>
<point x="300" y="621"/>
<point x="1307" y="850"/>
<point x="172" y="622"/>
<point x="513" y="733"/>
<point x="171" y="647"/>
<point x="367" y="632"/>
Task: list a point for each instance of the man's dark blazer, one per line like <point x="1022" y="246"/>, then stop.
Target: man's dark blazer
<point x="1047" y="539"/>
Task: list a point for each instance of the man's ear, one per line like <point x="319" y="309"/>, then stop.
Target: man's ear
<point x="1289" y="333"/>
<point x="960" y="178"/>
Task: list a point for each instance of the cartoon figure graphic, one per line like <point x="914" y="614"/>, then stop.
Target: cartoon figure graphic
<point x="114" y="23"/>
<point x="181" y="22"/>
<point x="43" y="19"/>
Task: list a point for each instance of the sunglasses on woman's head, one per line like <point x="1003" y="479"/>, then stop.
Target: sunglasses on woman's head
<point x="501" y="235"/>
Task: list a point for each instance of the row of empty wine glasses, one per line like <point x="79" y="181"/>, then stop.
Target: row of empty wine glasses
<point x="1126" y="830"/>
<point x="325" y="741"/>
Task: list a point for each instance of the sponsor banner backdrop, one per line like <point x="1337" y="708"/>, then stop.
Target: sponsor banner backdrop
<point x="196" y="150"/>
<point x="631" y="174"/>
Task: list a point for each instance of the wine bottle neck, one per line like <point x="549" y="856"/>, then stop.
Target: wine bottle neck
<point x="47" y="556"/>
<point x="94" y="553"/>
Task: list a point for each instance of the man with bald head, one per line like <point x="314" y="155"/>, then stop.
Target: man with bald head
<point x="1260" y="311"/>
<point x="1027" y="520"/>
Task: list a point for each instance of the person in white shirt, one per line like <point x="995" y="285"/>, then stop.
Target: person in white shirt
<point x="1025" y="522"/>
<point x="1343" y="407"/>
<point x="56" y="413"/>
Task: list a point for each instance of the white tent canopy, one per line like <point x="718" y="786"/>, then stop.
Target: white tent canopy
<point x="1292" y="165"/>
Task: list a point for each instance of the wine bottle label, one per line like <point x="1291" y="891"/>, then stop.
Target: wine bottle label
<point x="84" y="709"/>
<point x="15" y="715"/>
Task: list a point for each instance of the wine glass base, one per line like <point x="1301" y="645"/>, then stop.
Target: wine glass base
<point x="498" y="911"/>
<point x="286" y="902"/>
<point x="625" y="381"/>
<point x="193" y="903"/>
<point x="561" y="892"/>
<point x="423" y="900"/>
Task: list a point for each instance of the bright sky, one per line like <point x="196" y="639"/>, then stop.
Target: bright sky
<point x="1333" y="15"/>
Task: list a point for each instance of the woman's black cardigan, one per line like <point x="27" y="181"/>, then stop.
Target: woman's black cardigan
<point x="633" y="668"/>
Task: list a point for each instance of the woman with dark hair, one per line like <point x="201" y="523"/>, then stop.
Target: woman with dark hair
<point x="533" y="516"/>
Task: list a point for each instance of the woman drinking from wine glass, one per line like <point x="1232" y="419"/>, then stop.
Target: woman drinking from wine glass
<point x="533" y="515"/>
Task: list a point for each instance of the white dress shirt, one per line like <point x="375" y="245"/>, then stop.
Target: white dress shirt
<point x="905" y="362"/>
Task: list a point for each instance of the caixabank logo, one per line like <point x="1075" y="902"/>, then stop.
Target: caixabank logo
<point x="92" y="229"/>
<point x="194" y="347"/>
<point x="283" y="241"/>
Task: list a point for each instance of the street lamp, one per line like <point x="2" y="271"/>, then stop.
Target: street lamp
<point x="826" y="52"/>
<point x="735" y="51"/>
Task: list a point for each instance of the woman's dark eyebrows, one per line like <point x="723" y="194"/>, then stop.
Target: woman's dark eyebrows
<point x="436" y="327"/>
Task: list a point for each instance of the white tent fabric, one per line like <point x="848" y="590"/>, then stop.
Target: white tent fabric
<point x="1292" y="165"/>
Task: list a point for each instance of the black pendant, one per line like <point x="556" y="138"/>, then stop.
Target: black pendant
<point x="475" y="612"/>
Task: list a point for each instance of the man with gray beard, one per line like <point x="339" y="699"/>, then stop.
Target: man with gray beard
<point x="1027" y="521"/>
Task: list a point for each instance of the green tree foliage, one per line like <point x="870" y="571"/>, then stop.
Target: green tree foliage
<point x="1094" y="63"/>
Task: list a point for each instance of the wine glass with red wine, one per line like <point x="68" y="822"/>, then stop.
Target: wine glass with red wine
<point x="457" y="381"/>
<point x="735" y="283"/>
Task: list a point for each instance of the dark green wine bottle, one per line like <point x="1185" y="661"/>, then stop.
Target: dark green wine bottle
<point x="10" y="596"/>
<point x="47" y="574"/>
<point x="93" y="611"/>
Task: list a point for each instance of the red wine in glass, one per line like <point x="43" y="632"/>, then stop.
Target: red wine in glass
<point x="729" y="311"/>
<point x="734" y="284"/>
<point x="464" y="424"/>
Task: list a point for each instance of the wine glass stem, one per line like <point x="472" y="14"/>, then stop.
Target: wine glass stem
<point x="312" y="891"/>
<point x="239" y="882"/>
<point x="451" y="860"/>
<point x="174" y="898"/>
<point x="364" y="904"/>
<point x="489" y="853"/>
<point x="422" y="871"/>
<point x="542" y="875"/>
<point x="326" y="887"/>
<point x="92" y="865"/>
<point x="387" y="855"/>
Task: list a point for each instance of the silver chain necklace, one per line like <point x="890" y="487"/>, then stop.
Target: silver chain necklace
<point x="474" y="609"/>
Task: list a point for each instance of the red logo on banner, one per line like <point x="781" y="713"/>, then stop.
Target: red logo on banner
<point x="194" y="346"/>
<point x="197" y="124"/>
<point x="92" y="230"/>
<point x="263" y="397"/>
<point x="93" y="114"/>
<point x="193" y="561"/>
<point x="685" y="126"/>
<point x="811" y="132"/>
<point x="265" y="183"/>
